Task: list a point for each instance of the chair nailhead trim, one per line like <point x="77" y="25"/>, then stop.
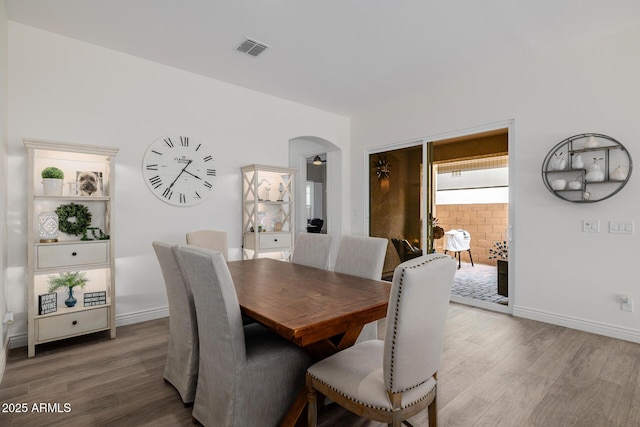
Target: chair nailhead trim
<point x="396" y="317"/>
<point x="431" y="392"/>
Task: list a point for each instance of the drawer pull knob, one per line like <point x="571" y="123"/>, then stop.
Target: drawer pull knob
<point x="75" y="322"/>
<point x="275" y="240"/>
<point x="74" y="253"/>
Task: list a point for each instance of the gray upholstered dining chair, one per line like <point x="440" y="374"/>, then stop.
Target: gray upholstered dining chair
<point x="362" y="256"/>
<point x="248" y="376"/>
<point x="392" y="380"/>
<point x="210" y="239"/>
<point x="312" y="250"/>
<point x="181" y="368"/>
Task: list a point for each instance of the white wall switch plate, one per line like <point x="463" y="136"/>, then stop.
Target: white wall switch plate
<point x="591" y="225"/>
<point x="621" y="227"/>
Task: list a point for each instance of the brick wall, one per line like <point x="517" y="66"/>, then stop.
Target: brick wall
<point x="487" y="224"/>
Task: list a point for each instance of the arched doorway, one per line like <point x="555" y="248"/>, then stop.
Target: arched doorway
<point x="300" y="150"/>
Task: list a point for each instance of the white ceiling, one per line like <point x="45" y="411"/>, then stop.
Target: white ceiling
<point x="344" y="56"/>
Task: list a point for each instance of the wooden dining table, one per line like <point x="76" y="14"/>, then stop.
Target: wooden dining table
<point x="320" y="311"/>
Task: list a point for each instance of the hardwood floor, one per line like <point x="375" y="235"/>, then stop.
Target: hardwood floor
<point x="496" y="371"/>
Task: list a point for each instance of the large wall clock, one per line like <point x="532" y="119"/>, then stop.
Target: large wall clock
<point x="179" y="170"/>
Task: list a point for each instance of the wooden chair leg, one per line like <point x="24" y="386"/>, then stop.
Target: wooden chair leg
<point x="312" y="410"/>
<point x="470" y="257"/>
<point x="433" y="414"/>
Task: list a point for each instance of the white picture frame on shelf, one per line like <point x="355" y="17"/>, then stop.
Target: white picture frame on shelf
<point x="89" y="183"/>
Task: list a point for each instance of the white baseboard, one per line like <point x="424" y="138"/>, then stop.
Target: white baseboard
<point x="599" y="328"/>
<point x="480" y="304"/>
<point x="142" y="316"/>
<point x="121" y="320"/>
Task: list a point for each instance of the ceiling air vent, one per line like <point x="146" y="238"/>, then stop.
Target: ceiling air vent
<point x="252" y="47"/>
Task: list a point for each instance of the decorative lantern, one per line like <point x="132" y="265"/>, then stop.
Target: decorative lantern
<point x="48" y="222"/>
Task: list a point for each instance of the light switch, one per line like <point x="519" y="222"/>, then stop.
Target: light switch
<point x="621" y="227"/>
<point x="591" y="225"/>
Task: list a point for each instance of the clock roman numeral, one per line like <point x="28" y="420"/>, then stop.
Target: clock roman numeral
<point x="208" y="185"/>
<point x="167" y="193"/>
<point x="211" y="172"/>
<point x="184" y="141"/>
<point x="197" y="195"/>
<point x="155" y="181"/>
<point x="168" y="142"/>
<point x="156" y="152"/>
<point x="152" y="167"/>
<point x="198" y="147"/>
<point x="183" y="198"/>
<point x="208" y="159"/>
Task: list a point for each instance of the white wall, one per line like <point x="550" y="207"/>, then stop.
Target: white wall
<point x="3" y="179"/>
<point x="561" y="275"/>
<point x="66" y="90"/>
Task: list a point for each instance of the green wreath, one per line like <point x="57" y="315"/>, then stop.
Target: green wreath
<point x="73" y="219"/>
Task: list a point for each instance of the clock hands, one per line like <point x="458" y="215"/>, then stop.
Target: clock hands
<point x="195" y="176"/>
<point x="183" y="170"/>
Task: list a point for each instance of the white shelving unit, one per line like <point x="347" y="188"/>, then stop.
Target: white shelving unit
<point x="93" y="257"/>
<point x="267" y="211"/>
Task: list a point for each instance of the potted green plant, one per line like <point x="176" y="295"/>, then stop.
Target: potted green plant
<point x="500" y="252"/>
<point x="68" y="280"/>
<point x="52" y="180"/>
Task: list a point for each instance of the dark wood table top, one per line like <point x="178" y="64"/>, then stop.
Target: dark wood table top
<point x="307" y="305"/>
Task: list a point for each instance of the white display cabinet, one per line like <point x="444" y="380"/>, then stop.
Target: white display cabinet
<point x="267" y="211"/>
<point x="90" y="253"/>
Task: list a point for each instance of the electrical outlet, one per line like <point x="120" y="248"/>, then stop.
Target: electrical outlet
<point x="627" y="303"/>
<point x="8" y="317"/>
<point x="591" y="225"/>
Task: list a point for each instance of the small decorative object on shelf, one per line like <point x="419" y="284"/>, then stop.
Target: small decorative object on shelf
<point x="606" y="176"/>
<point x="618" y="174"/>
<point x="95" y="298"/>
<point x="557" y="163"/>
<point x="48" y="227"/>
<point x="89" y="183"/>
<point x="591" y="142"/>
<point x="73" y="218"/>
<point x="96" y="232"/>
<point x="594" y="173"/>
<point x="47" y="303"/>
<point x="559" y="184"/>
<point x="577" y="162"/>
<point x="68" y="280"/>
<point x="52" y="181"/>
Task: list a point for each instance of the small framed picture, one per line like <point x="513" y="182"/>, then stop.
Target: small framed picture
<point x="47" y="303"/>
<point x="89" y="183"/>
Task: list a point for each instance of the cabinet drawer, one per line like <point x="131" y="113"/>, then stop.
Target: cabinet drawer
<point x="70" y="324"/>
<point x="275" y="240"/>
<point x="73" y="254"/>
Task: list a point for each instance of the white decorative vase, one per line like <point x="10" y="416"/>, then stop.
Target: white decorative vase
<point x="48" y="227"/>
<point x="591" y="142"/>
<point x="558" y="184"/>
<point x="52" y="186"/>
<point x="577" y="162"/>
<point x="594" y="174"/>
<point x="618" y="174"/>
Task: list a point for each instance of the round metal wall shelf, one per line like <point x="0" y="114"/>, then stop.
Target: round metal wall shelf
<point x="586" y="168"/>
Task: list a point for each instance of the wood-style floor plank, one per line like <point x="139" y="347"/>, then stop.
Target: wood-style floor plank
<point x="496" y="370"/>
